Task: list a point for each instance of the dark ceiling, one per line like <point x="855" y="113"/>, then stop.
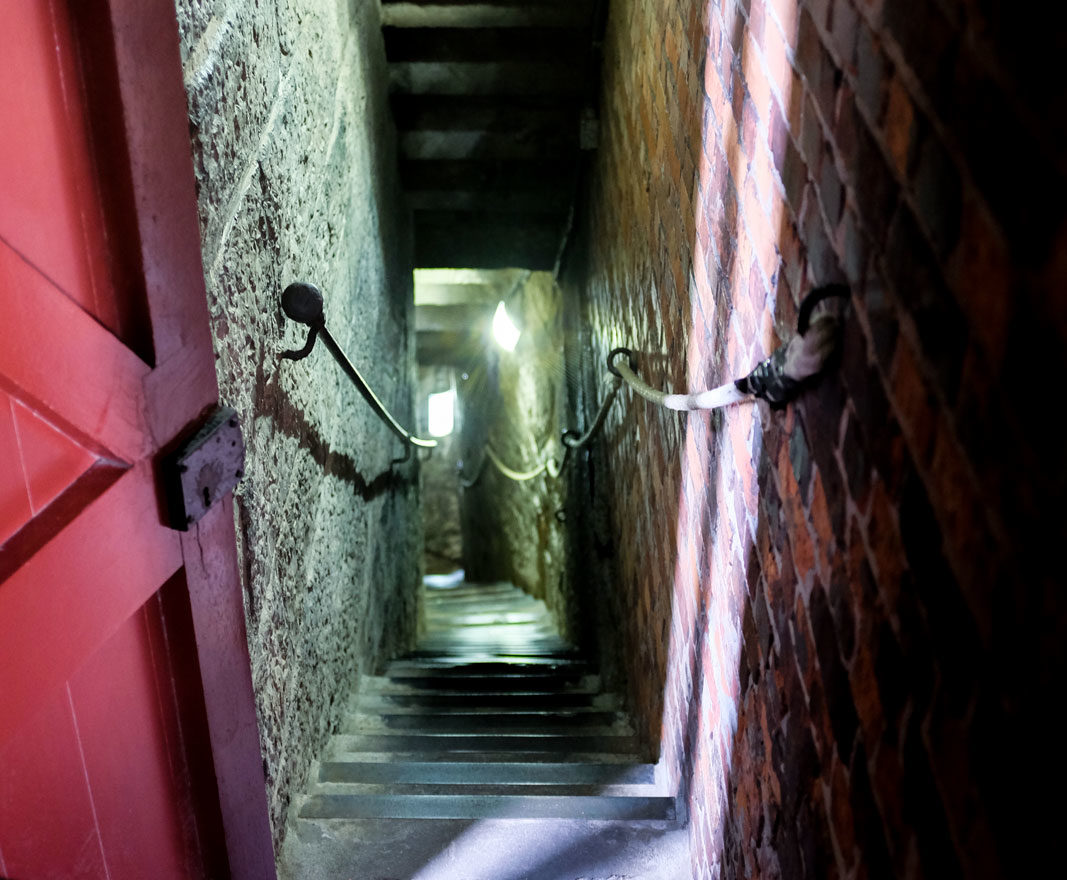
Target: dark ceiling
<point x="494" y="102"/>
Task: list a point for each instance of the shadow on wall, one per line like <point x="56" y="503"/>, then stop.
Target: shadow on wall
<point x="829" y="617"/>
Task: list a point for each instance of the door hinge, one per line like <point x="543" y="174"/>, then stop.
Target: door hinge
<point x="204" y="468"/>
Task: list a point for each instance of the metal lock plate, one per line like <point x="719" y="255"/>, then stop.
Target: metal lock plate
<point x="205" y="468"/>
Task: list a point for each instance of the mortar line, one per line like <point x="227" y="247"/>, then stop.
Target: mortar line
<point x="216" y="247"/>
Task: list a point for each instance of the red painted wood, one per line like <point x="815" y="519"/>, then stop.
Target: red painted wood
<point x="44" y="778"/>
<point x="60" y="362"/>
<point x="74" y="593"/>
<point x="14" y="496"/>
<point x="50" y="460"/>
<point x="180" y="678"/>
<point x="70" y="595"/>
<point x="51" y="212"/>
<point x="149" y="75"/>
<point x="135" y="786"/>
<point x="218" y="619"/>
<point x="56" y="516"/>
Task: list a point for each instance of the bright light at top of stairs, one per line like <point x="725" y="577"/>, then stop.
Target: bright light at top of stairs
<point x="504" y="330"/>
<point x="442" y="413"/>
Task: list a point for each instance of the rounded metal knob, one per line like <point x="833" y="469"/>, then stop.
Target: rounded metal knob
<point x="303" y="303"/>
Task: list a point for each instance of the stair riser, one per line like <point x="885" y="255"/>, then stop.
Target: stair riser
<point x="459" y="772"/>
<point x="484" y="724"/>
<point x="498" y="683"/>
<point x="489" y="702"/>
<point x="552" y="706"/>
<point x="402" y="743"/>
<point x="486" y="807"/>
<point x="443" y="669"/>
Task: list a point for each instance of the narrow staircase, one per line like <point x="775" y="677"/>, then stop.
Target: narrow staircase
<point x="489" y="752"/>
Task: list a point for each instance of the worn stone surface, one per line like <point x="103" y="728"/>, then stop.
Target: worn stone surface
<point x="294" y="156"/>
<point x="836" y="621"/>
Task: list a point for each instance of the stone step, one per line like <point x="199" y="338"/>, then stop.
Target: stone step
<point x="497" y="683"/>
<point x="490" y="849"/>
<point x="591" y="723"/>
<point x="433" y="659"/>
<point x="346" y="806"/>
<point x="497" y="728"/>
<point x="486" y="14"/>
<point x="498" y="78"/>
<point x="400" y="743"/>
<point x="553" y="789"/>
<point x="473" y="648"/>
<point x="485" y="701"/>
<point x="485" y="45"/>
<point x="448" y="620"/>
<point x="460" y="666"/>
<point x="551" y="705"/>
<point x="486" y="773"/>
<point x="346" y="747"/>
<point x="586" y="686"/>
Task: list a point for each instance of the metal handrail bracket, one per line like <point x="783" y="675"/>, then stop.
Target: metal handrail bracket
<point x="303" y="303"/>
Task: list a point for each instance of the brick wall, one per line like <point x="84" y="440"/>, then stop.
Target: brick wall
<point x="293" y="149"/>
<point x="840" y="623"/>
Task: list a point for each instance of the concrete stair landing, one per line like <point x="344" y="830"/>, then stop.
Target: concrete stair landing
<point x="489" y="753"/>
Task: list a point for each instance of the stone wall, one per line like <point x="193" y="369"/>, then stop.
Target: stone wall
<point x="838" y="623"/>
<point x="514" y="402"/>
<point x="295" y="161"/>
<point x="442" y="537"/>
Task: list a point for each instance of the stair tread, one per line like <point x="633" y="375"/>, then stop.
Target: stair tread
<point x="342" y="750"/>
<point x="498" y="772"/>
<point x="492" y="716"/>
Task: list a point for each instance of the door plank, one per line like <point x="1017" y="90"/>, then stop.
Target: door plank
<point x="59" y="361"/>
<point x="96" y="577"/>
<point x="149" y="73"/>
<point x="44" y="778"/>
<point x="127" y="765"/>
<point x="219" y="623"/>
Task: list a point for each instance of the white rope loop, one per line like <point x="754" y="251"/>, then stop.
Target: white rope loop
<point x="712" y="398"/>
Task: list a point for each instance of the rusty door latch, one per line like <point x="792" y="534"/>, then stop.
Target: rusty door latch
<point x="204" y="468"/>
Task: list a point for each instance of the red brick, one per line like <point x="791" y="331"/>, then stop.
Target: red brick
<point x="887" y="552"/>
<point x="840" y="810"/>
<point x="865" y="694"/>
<point x="777" y="67"/>
<point x="759" y="87"/>
<point x="913" y="402"/>
<point x="980" y="274"/>
<point x="787" y="16"/>
<point x="897" y="126"/>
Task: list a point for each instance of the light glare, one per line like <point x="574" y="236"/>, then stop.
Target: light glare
<point x="442" y="418"/>
<point x="504" y="330"/>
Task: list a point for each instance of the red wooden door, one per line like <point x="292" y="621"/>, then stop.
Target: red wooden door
<point x="128" y="742"/>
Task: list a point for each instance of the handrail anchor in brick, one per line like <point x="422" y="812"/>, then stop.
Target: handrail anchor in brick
<point x="778" y="379"/>
<point x="303" y="303"/>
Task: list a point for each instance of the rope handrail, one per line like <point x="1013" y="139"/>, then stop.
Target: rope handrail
<point x="548" y="465"/>
<point x="692" y="400"/>
<point x="303" y="303"/>
<point x="778" y="379"/>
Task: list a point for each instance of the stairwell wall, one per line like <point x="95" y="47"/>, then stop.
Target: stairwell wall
<point x="514" y="401"/>
<point x="294" y="153"/>
<point x="837" y="621"/>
